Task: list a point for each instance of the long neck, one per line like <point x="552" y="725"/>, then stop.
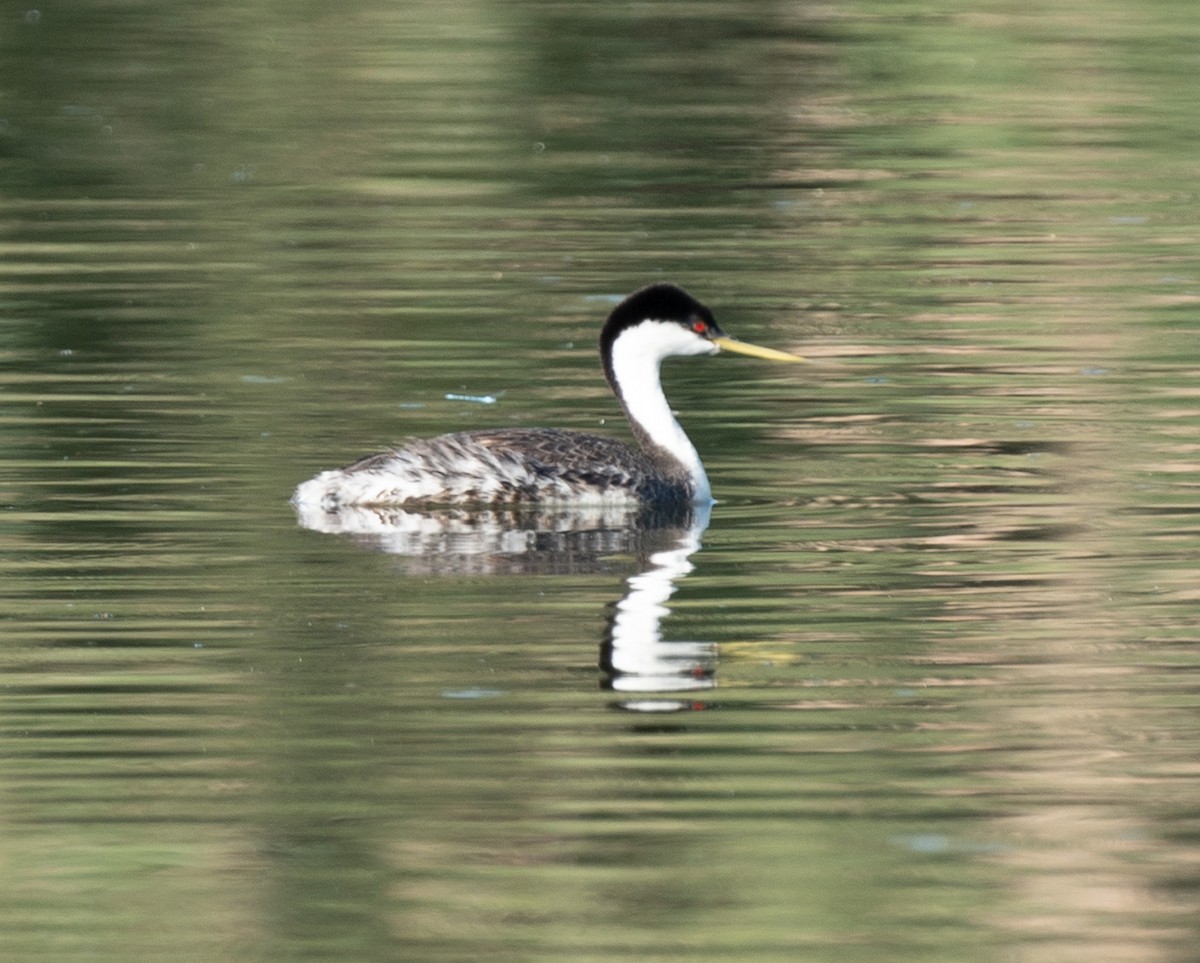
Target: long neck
<point x="633" y="373"/>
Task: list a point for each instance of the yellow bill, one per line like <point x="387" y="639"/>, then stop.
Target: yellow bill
<point x="741" y="347"/>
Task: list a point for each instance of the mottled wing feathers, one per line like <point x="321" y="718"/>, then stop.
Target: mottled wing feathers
<point x="502" y="465"/>
<point x="572" y="459"/>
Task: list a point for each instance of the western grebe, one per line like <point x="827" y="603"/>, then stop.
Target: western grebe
<point x="550" y="465"/>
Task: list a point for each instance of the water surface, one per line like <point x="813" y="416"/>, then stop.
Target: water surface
<point x="923" y="686"/>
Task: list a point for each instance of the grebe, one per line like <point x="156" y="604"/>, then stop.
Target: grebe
<point x="550" y="465"/>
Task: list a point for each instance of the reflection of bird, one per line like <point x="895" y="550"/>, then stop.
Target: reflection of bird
<point x="549" y="465"/>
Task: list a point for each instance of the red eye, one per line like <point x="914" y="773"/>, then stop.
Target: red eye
<point x="699" y="327"/>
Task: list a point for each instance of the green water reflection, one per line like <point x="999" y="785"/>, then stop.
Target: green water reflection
<point x="947" y="598"/>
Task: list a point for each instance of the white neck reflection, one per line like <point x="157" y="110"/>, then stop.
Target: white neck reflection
<point x="639" y="659"/>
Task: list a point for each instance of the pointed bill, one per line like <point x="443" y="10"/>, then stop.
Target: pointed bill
<point x="741" y="347"/>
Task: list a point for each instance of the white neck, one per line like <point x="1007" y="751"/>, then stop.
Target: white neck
<point x="637" y="354"/>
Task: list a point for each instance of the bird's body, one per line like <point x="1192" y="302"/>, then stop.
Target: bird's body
<point x="551" y="465"/>
<point x="504" y="465"/>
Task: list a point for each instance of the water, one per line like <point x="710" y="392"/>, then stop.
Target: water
<point x="923" y="687"/>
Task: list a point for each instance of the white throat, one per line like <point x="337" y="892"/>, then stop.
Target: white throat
<point x="637" y="354"/>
